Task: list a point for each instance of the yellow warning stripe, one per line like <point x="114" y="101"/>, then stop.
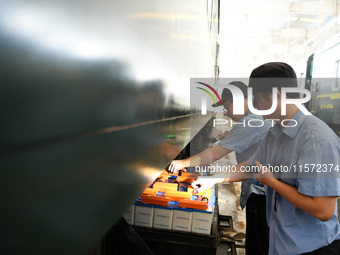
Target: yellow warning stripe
<point x="331" y="95"/>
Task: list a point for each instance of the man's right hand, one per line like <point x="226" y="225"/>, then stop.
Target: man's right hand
<point x="224" y="135"/>
<point x="206" y="182"/>
<point x="176" y="165"/>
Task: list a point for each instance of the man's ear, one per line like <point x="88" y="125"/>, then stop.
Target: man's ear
<point x="278" y="94"/>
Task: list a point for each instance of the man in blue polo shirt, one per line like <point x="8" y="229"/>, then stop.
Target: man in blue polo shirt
<point x="301" y="196"/>
<point x="243" y="139"/>
<point x="301" y="202"/>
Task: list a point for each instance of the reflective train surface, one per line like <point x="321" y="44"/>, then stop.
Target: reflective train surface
<point x="94" y="103"/>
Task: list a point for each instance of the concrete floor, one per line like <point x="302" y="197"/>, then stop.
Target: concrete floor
<point x="228" y="197"/>
<point x="228" y="202"/>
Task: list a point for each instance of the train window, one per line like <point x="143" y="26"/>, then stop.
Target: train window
<point x="301" y="81"/>
<point x="337" y="75"/>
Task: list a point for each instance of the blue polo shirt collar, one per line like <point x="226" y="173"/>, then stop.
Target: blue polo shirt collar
<point x="299" y="117"/>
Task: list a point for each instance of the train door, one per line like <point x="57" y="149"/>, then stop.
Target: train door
<point x="308" y="80"/>
<point x="314" y="96"/>
<point x="336" y="82"/>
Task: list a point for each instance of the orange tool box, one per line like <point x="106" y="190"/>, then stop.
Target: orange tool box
<point x="164" y="173"/>
<point x="191" y="175"/>
<point x="185" y="179"/>
<point x="149" y="192"/>
<point x="155" y="200"/>
<point x="161" y="178"/>
<point x="185" y="174"/>
<point x="163" y="187"/>
<point x="177" y="195"/>
<point x="193" y="204"/>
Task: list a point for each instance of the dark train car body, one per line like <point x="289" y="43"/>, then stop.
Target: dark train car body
<point x="94" y="103"/>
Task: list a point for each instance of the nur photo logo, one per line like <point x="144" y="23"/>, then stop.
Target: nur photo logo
<point x="238" y="99"/>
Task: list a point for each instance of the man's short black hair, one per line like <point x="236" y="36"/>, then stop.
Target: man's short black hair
<point x="227" y="95"/>
<point x="273" y="74"/>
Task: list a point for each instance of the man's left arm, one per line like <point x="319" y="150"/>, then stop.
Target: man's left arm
<point x="321" y="207"/>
